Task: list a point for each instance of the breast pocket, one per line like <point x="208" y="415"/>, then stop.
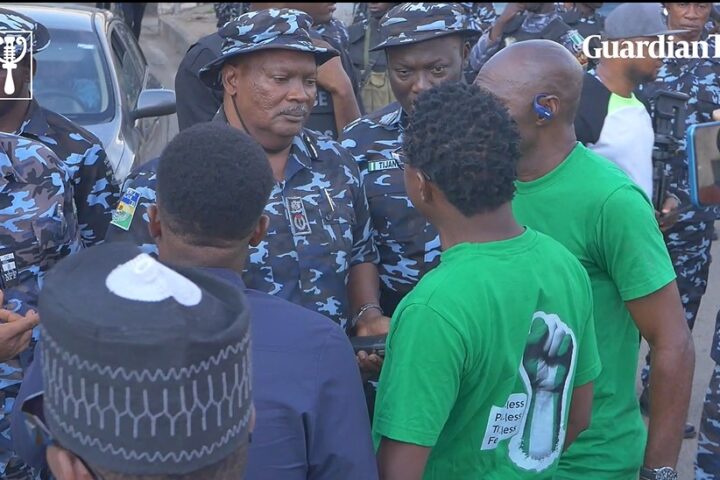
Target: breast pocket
<point x="338" y="218"/>
<point x="51" y="231"/>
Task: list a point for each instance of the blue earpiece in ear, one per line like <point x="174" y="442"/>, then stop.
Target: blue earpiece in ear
<point x="542" y="112"/>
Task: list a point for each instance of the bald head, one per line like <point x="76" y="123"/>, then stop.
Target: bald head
<point x="519" y="72"/>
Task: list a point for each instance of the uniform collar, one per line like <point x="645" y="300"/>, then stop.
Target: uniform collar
<point x="9" y="165"/>
<point x="395" y="119"/>
<point x="35" y="122"/>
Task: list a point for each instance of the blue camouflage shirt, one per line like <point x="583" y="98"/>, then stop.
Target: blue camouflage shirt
<point x="95" y="188"/>
<point x="319" y="226"/>
<point x="409" y="246"/>
<point x="319" y="229"/>
<point x="40" y="227"/>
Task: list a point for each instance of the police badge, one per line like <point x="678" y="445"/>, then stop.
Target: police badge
<point x="299" y="223"/>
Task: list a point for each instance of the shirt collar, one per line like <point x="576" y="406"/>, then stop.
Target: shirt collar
<point x="230" y="276"/>
<point x="35" y="122"/>
<point x="302" y="149"/>
<point x="394" y="119"/>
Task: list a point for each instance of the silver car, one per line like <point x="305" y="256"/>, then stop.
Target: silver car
<point x="95" y="73"/>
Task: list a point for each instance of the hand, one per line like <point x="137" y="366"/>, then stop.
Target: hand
<point x="548" y="354"/>
<point x="716" y="115"/>
<point x="669" y="214"/>
<point x="510" y="11"/>
<point x="331" y="75"/>
<point x="15" y="331"/>
<point x="371" y="323"/>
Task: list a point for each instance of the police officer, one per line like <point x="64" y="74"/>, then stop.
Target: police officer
<point x="319" y="251"/>
<point x="39" y="227"/>
<point x="94" y="184"/>
<point x="425" y="46"/>
<point x="690" y="238"/>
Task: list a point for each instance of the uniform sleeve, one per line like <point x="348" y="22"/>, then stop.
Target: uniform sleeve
<point x="97" y="193"/>
<point x="589" y="365"/>
<point x="364" y="249"/>
<point x="339" y="439"/>
<point x="144" y="183"/>
<point x="423" y="352"/>
<point x="483" y="50"/>
<point x="630" y="245"/>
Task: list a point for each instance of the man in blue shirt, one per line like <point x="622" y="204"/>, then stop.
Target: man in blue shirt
<point x="311" y="420"/>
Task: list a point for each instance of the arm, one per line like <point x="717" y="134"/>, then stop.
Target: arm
<point x="638" y="262"/>
<point x="96" y="194"/>
<point x="339" y="437"/>
<point x="580" y="413"/>
<point x="333" y="78"/>
<point x="489" y="44"/>
<point x="661" y="322"/>
<point x="401" y="461"/>
<point x="364" y="279"/>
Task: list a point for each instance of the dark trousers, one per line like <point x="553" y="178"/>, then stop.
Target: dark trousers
<point x="133" y="14"/>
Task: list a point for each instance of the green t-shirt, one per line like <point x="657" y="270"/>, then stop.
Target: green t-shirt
<point x="593" y="208"/>
<point x="483" y="355"/>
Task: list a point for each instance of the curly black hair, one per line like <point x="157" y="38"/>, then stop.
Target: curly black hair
<point x="463" y="139"/>
<point x="213" y="182"/>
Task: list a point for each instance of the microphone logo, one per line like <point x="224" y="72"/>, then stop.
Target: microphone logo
<point x="13" y="48"/>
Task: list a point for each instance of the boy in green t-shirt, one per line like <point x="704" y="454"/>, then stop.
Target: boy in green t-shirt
<point x="491" y="358"/>
<point x="595" y="210"/>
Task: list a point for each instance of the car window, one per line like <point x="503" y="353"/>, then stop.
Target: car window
<point x="72" y="77"/>
<point x="129" y="61"/>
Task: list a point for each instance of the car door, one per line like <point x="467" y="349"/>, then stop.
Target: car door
<point x="148" y="136"/>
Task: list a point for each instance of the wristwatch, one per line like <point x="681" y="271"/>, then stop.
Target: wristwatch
<point x="662" y="473"/>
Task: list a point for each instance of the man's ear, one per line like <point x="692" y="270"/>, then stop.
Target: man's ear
<point x="230" y="79"/>
<point x="154" y="226"/>
<point x="261" y="229"/>
<point x="424" y="187"/>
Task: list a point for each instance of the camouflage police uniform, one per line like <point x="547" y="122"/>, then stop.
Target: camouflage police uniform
<point x="95" y="188"/>
<point x="483" y="15"/>
<point x="409" y="246"/>
<point x="224" y="12"/>
<point x="689" y="240"/>
<point x="319" y="218"/>
<point x="527" y="26"/>
<point x="40" y="227"/>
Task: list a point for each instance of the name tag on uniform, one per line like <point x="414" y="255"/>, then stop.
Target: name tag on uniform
<point x="299" y="223"/>
<point x="8" y="270"/>
<point x="379" y="165"/>
<point x="123" y="215"/>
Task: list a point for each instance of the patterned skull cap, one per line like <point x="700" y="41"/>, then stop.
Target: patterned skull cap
<point x="416" y="22"/>
<point x="273" y="28"/>
<point x="11" y="21"/>
<point x="146" y="369"/>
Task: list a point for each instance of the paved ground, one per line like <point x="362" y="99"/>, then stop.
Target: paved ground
<point x="165" y="41"/>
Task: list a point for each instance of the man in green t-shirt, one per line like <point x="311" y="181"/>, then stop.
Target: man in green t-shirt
<point x="593" y="208"/>
<point x="491" y="358"/>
